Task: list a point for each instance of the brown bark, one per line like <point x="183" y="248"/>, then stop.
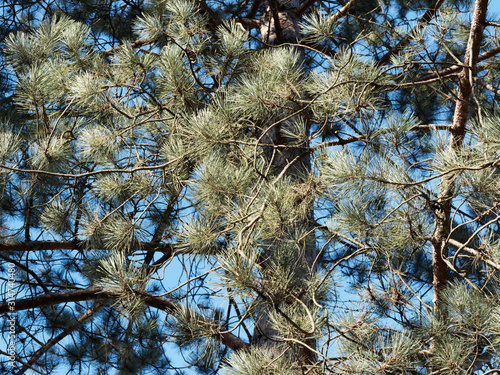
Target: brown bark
<point x="447" y="188"/>
<point x="280" y="26"/>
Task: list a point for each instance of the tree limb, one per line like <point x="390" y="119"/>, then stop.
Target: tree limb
<point x="49" y="344"/>
<point x="422" y="22"/>
<point x="456" y="68"/>
<point x="474" y="252"/>
<point x="252" y="12"/>
<point x="28" y="271"/>
<point x="276" y="17"/>
<point x="341" y="12"/>
<point x="136" y="44"/>
<point x="96" y="293"/>
<point x="487" y="86"/>
<point x="304" y="6"/>
<point x="470" y="61"/>
<point x="75" y="245"/>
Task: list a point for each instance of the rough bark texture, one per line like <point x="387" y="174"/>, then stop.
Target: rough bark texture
<point x="447" y="188"/>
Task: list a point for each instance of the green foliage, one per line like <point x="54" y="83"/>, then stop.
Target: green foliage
<point x="195" y="330"/>
<point x="271" y="200"/>
<point x="262" y="361"/>
<point x="9" y="144"/>
<point x="56" y="217"/>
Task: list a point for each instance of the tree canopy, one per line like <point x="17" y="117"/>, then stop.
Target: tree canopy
<point x="282" y="187"/>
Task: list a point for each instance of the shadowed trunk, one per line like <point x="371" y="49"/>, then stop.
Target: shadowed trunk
<point x="280" y="26"/>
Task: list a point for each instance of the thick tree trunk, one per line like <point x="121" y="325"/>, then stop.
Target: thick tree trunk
<point x="280" y="26"/>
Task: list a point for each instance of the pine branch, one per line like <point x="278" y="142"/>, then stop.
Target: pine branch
<point x="213" y="19"/>
<point x="76" y="245"/>
<point x="23" y="363"/>
<point x="341" y="12"/>
<point x="475" y="252"/>
<point x="27" y="270"/>
<point x="49" y="344"/>
<point x="487" y="86"/>
<point x="422" y="22"/>
<point x="96" y="293"/>
<point x="137" y="44"/>
<point x="456" y="68"/>
<point x="160" y="229"/>
<point x="87" y="174"/>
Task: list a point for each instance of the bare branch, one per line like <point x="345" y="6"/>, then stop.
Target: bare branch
<point x="75" y="245"/>
<point x="456" y="68"/>
<point x="342" y="12"/>
<point x="252" y="12"/>
<point x="471" y="58"/>
<point x="49" y="344"/>
<point x="422" y="22"/>
<point x="303" y="7"/>
<point x="487" y="86"/>
<point x="27" y="270"/>
<point x="80" y="175"/>
<point x="136" y="44"/>
<point x="96" y="293"/>
<point x="474" y="252"/>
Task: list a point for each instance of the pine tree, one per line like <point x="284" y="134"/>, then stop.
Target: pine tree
<point x="276" y="187"/>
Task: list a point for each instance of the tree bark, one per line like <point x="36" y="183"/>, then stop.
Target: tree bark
<point x="447" y="187"/>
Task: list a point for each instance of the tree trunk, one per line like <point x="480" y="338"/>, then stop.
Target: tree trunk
<point x="447" y="188"/>
<point x="280" y="26"/>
